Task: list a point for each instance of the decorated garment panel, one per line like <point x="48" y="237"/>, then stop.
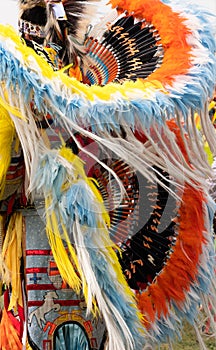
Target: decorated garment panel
<point x="56" y="315"/>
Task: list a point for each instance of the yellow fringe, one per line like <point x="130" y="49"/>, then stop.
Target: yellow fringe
<point x="4" y="272"/>
<point x="12" y="254"/>
<point x="7" y="131"/>
<point x="67" y="269"/>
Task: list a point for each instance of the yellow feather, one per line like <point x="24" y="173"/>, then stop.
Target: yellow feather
<point x="67" y="269"/>
<point x="6" y="138"/>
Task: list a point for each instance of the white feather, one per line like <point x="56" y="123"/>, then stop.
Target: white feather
<point x="118" y="332"/>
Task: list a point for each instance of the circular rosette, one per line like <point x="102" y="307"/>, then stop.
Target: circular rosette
<point x="128" y="49"/>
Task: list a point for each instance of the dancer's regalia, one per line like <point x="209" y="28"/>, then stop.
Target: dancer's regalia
<point x="106" y="217"/>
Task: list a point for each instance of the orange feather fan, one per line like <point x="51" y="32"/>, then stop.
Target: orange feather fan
<point x="182" y="267"/>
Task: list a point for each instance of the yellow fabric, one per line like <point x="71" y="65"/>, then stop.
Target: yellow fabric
<point x="4" y="272"/>
<point x="12" y="254"/>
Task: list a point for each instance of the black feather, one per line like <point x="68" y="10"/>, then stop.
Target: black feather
<point x="134" y="52"/>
